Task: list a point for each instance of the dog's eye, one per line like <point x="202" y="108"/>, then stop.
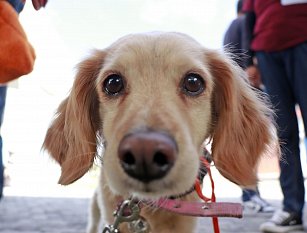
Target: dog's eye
<point x="113" y="84"/>
<point x="193" y="84"/>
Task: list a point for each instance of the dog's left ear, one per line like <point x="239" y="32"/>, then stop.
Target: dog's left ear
<point x="72" y="137"/>
<point x="243" y="127"/>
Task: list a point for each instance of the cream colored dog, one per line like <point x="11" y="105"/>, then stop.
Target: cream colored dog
<point x="152" y="100"/>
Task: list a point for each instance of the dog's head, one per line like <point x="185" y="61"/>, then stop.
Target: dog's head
<point x="153" y="99"/>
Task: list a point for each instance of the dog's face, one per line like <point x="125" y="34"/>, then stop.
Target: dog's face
<point x="154" y="99"/>
<point x="161" y="88"/>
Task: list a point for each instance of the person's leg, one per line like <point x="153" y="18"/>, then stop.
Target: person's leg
<point x="253" y="203"/>
<point x="2" y="105"/>
<point x="301" y="82"/>
<point x="248" y="193"/>
<point x="1" y="170"/>
<point x="274" y="72"/>
<point x="297" y="71"/>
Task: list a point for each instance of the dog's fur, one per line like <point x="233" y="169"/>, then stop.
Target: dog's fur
<point x="153" y="65"/>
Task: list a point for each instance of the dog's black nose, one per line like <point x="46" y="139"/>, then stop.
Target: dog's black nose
<point x="148" y="155"/>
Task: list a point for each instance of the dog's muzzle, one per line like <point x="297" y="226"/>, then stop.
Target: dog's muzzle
<point x="147" y="155"/>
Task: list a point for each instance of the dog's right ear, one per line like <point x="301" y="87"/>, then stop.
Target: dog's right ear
<point x="72" y="137"/>
<point x="244" y="128"/>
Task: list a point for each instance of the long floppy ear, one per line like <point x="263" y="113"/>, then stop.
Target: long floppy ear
<point x="72" y="137"/>
<point x="243" y="125"/>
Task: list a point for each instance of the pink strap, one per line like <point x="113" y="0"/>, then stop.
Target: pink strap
<point x="201" y="209"/>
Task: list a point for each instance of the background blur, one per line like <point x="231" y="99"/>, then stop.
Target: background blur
<point x="63" y="34"/>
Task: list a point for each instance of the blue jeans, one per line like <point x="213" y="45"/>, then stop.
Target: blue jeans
<point x="2" y="105"/>
<point x="284" y="74"/>
<point x="17" y="4"/>
<point x="247" y="194"/>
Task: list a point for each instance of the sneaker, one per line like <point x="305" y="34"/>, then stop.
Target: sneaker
<point x="257" y="205"/>
<point x="282" y="222"/>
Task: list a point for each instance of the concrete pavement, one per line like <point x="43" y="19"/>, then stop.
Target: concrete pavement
<point x="43" y="215"/>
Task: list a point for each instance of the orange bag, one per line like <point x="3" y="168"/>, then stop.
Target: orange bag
<point x="17" y="56"/>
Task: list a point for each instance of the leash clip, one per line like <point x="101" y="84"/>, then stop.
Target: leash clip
<point x="128" y="211"/>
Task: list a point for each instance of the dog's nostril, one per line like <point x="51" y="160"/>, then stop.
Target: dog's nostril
<point x="160" y="159"/>
<point x="128" y="159"/>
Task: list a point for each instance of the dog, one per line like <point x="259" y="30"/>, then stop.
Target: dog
<point x="151" y="101"/>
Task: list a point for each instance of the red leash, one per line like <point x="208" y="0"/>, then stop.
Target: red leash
<point x="212" y="199"/>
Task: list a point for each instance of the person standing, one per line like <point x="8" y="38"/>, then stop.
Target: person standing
<point x="233" y="39"/>
<point x="18" y="5"/>
<point x="277" y="36"/>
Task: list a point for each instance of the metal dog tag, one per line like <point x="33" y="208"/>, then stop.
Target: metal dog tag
<point x="110" y="229"/>
<point x="139" y="226"/>
<point x="120" y="216"/>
